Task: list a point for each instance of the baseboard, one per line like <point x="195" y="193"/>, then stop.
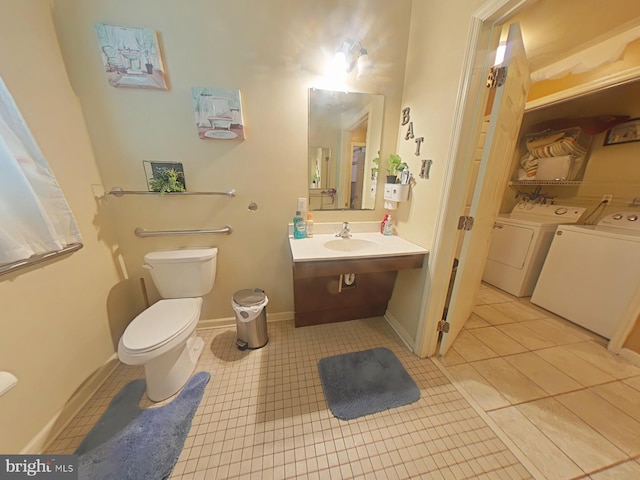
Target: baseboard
<point x="231" y="321"/>
<point x="631" y="356"/>
<point x="400" y="330"/>
<point x="80" y="397"/>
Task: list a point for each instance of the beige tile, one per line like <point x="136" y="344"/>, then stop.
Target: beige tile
<point x="626" y="470"/>
<point x="478" y="387"/>
<point x="622" y="396"/>
<point x="451" y="358"/>
<point x="545" y="375"/>
<point x="497" y="341"/>
<point x="264" y="415"/>
<point x="491" y="315"/>
<point x="470" y="348"/>
<point x="475" y="321"/>
<point x="508" y="380"/>
<point x="541" y="451"/>
<point x="556" y="331"/>
<point x="612" y="423"/>
<point x="487" y="294"/>
<point x="604" y="359"/>
<point x="586" y="447"/>
<point x="576" y="367"/>
<point x="525" y="336"/>
<point x="633" y="382"/>
<point x="518" y="312"/>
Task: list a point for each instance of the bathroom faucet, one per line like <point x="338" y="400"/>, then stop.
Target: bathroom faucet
<point x="345" y="232"/>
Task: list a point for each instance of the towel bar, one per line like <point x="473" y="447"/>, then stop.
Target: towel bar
<point x="141" y="232"/>
<point x="118" y="192"/>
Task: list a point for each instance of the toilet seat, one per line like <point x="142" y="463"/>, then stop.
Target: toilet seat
<point x="160" y="324"/>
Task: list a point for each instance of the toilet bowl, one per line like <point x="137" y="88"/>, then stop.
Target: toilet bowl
<point x="163" y="337"/>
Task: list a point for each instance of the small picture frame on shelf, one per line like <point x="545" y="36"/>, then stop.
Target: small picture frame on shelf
<point x="164" y="177"/>
<point x="626" y="132"/>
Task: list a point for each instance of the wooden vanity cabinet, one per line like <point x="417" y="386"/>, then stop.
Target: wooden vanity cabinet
<point x="322" y="293"/>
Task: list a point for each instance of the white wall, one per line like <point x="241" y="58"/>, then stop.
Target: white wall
<point x="273" y="52"/>
<point x="437" y="44"/>
<point x="59" y="320"/>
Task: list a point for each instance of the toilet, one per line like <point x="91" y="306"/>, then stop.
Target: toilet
<point x="163" y="337"/>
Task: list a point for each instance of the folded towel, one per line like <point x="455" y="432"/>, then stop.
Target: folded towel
<point x="534" y="143"/>
<point x="529" y="164"/>
<point x="564" y="146"/>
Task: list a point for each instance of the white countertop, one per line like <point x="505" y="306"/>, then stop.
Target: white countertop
<point x="378" y="245"/>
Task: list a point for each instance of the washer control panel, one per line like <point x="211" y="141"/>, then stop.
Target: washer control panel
<point x="626" y="220"/>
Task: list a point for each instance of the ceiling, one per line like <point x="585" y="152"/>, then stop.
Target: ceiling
<point x="554" y="29"/>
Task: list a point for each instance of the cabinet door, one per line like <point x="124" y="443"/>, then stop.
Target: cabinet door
<point x="510" y="244"/>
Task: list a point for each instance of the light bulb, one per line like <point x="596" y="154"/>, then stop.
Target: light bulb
<point x="340" y="62"/>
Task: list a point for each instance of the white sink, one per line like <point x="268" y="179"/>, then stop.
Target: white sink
<point x="366" y="242"/>
<point x="349" y="244"/>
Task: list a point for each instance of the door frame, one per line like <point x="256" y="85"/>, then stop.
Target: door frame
<point x="468" y="119"/>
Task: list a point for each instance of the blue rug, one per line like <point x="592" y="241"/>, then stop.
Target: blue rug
<point x="362" y="383"/>
<point x="129" y="443"/>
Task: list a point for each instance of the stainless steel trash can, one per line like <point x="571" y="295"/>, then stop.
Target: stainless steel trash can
<point x="251" y="318"/>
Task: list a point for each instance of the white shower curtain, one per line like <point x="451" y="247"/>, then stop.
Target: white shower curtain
<point x="34" y="215"/>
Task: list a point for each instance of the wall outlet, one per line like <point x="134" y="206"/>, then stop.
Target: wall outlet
<point x="607" y="199"/>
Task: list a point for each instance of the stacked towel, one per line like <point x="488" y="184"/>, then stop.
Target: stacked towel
<point x="562" y="146"/>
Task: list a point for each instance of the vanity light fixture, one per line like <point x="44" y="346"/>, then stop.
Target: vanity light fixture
<point x="350" y="55"/>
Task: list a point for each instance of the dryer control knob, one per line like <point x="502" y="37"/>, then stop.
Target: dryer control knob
<point x="560" y="211"/>
<point x="617" y="216"/>
<point x="632" y="218"/>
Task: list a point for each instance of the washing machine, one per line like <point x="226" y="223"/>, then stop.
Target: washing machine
<point x="520" y="243"/>
<point x="592" y="272"/>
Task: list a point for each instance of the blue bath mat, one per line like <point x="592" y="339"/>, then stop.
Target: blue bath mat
<point x="362" y="383"/>
<point x="129" y="443"/>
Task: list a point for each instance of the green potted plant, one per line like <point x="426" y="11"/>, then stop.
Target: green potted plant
<point x="167" y="180"/>
<point x="395" y="166"/>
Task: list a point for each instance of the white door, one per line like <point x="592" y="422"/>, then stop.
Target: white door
<point x="502" y="137"/>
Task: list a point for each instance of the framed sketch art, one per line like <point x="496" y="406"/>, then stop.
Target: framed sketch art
<point x="131" y="56"/>
<point x="218" y="113"/>
<point x="626" y="132"/>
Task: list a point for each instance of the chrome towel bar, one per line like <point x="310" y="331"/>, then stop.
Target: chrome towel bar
<point x="141" y="232"/>
<point x="118" y="192"/>
<point x="39" y="258"/>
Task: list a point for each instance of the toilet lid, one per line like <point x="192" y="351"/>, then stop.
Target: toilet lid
<point x="160" y="323"/>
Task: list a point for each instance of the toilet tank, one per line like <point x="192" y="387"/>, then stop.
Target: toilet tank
<point x="183" y="273"/>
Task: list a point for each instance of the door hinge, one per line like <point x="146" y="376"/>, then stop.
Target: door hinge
<point x="443" y="326"/>
<point x="496" y="77"/>
<point x="465" y="223"/>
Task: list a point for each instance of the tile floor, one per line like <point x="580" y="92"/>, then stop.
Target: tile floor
<point x="264" y="415"/>
<point x="571" y="406"/>
<point x="521" y="394"/>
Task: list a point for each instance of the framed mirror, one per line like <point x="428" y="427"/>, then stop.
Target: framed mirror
<point x="345" y="131"/>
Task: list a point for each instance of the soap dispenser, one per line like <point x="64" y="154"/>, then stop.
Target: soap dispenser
<point x="309" y="225"/>
<point x="388" y="227"/>
<point x="383" y="223"/>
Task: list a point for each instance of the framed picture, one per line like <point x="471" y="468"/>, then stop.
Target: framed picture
<point x="624" y="133"/>
<point x="218" y="113"/>
<point x="164" y="177"/>
<point x="131" y="56"/>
